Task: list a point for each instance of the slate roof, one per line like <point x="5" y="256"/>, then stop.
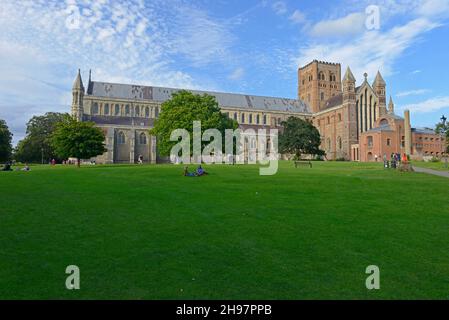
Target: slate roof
<point x="334" y="101"/>
<point x="385" y="127"/>
<point x="423" y="130"/>
<point x="225" y="100"/>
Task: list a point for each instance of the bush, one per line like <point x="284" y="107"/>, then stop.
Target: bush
<point x="435" y="159"/>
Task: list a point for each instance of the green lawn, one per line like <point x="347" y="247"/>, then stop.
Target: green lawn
<point x="440" y="166"/>
<point x="146" y="232"/>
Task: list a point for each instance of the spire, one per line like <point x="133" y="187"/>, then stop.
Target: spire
<point x="379" y="81"/>
<point x="349" y="76"/>
<point x="90" y="75"/>
<point x="391" y="106"/>
<point x="78" y="84"/>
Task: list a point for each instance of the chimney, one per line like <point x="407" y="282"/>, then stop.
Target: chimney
<point x="408" y="133"/>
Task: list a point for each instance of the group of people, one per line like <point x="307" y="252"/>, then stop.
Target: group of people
<point x="198" y="173"/>
<point x="8" y="167"/>
<point x="395" y="160"/>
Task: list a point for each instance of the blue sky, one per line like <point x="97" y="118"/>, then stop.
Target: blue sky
<point x="250" y="46"/>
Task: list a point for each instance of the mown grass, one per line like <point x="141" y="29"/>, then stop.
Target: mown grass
<point x="147" y="232"/>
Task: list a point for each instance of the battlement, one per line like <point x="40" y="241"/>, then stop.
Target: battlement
<point x="320" y="62"/>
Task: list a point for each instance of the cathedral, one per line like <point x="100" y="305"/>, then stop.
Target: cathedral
<point x="355" y="122"/>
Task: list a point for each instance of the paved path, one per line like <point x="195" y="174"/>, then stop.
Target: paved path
<point x="431" y="171"/>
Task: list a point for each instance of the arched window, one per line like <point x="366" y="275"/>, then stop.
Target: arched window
<point x="388" y="142"/>
<point x="339" y="117"/>
<point x="106" y="109"/>
<point x="383" y="122"/>
<point x="257" y="119"/>
<point x="95" y="108"/>
<point x="243" y="118"/>
<point x="322" y="96"/>
<point x="121" y="138"/>
<point x="143" y="138"/>
<point x="117" y="109"/>
<point x="370" y="141"/>
<point x="250" y="118"/>
<point x="127" y="110"/>
<point x="156" y="112"/>
<point x="339" y="143"/>
<point x="279" y="121"/>
<point x="235" y="116"/>
<point x="264" y="119"/>
<point x="147" y="112"/>
<point x="137" y="111"/>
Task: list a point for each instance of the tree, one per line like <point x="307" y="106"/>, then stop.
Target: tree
<point x="5" y="142"/>
<point x="80" y="140"/>
<point x="300" y="137"/>
<point x="443" y="129"/>
<point x="36" y="145"/>
<point x="179" y="113"/>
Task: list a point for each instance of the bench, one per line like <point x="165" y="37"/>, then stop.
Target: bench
<point x="303" y="163"/>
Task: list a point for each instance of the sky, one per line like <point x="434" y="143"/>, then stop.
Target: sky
<point x="250" y="46"/>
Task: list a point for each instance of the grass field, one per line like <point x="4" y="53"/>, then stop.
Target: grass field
<point x="146" y="232"/>
<point x="440" y="166"/>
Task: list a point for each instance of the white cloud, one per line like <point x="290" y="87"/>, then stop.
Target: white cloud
<point x="416" y="72"/>
<point x="434" y="8"/>
<point x="237" y="74"/>
<point x="412" y="93"/>
<point x="133" y="42"/>
<point x="371" y="51"/>
<point x="279" y="7"/>
<point x="351" y="24"/>
<point x="430" y="105"/>
<point x="297" y="17"/>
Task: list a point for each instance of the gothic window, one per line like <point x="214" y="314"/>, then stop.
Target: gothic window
<point x="339" y="117"/>
<point x="235" y="116"/>
<point x="106" y="109"/>
<point x="127" y="110"/>
<point x="147" y="112"/>
<point x="121" y="138"/>
<point x="388" y="142"/>
<point x="143" y="138"/>
<point x="250" y="118"/>
<point x="383" y="122"/>
<point x="117" y="109"/>
<point x="370" y="141"/>
<point x="95" y="108"/>
<point x="257" y="119"/>
<point x="137" y="111"/>
<point x="243" y="118"/>
<point x="156" y="112"/>
<point x="339" y="143"/>
<point x="264" y="119"/>
<point x="279" y="121"/>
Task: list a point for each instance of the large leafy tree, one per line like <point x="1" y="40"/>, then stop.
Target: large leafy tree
<point x="443" y="129"/>
<point x="5" y="142"/>
<point x="80" y="140"/>
<point x="299" y="137"/>
<point x="179" y="113"/>
<point x="36" y="145"/>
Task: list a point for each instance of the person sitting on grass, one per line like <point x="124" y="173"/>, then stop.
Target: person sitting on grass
<point x="26" y="168"/>
<point x="7" y="167"/>
<point x="187" y="173"/>
<point x="200" y="171"/>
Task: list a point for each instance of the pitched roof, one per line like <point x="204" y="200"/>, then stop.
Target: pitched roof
<point x="379" y="80"/>
<point x="348" y="75"/>
<point x="78" y="84"/>
<point x="225" y="100"/>
<point x="334" y="101"/>
<point x="385" y="127"/>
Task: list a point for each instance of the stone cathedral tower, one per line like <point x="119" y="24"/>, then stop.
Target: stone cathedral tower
<point x="78" y="97"/>
<point x="379" y="87"/>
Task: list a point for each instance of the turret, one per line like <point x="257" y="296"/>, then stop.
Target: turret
<point x="379" y="87"/>
<point x="348" y="86"/>
<point x="78" y="97"/>
<point x="391" y="106"/>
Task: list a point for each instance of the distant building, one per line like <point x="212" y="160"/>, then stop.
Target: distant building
<point x="354" y="122"/>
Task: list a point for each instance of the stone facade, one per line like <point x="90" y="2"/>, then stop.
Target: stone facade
<point x="346" y="116"/>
